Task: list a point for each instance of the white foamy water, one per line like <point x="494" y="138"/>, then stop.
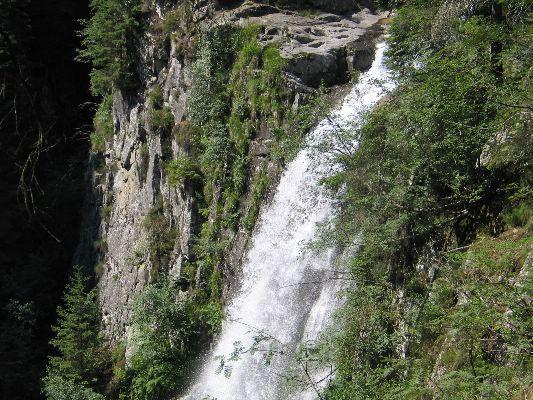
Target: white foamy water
<point x="286" y="289"/>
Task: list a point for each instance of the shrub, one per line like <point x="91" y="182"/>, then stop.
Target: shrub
<point x="161" y="120"/>
<point x="110" y="42"/>
<point x="103" y="126"/>
<point x="155" y="98"/>
<point x="168" y="334"/>
<point x="519" y="216"/>
<point x="183" y="169"/>
<point x="161" y="237"/>
<point x="188" y="137"/>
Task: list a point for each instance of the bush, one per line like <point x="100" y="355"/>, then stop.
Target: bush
<point x="103" y="126"/>
<point x="168" y="334"/>
<point x="183" y="170"/>
<point x="161" y="120"/>
<point x="110" y="43"/>
<point x="188" y="137"/>
<point x="155" y="98"/>
<point x="161" y="237"/>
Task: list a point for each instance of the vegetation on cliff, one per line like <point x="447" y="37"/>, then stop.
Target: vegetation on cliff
<point x="169" y="332"/>
<point x="238" y="90"/>
<point x="439" y="193"/>
<point x="111" y="39"/>
<point x="77" y="370"/>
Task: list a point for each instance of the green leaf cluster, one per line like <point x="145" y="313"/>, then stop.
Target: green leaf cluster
<point x="103" y="125"/>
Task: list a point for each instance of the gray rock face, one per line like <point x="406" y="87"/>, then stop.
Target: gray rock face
<point x="131" y="186"/>
<point x="322" y="49"/>
<point x="326" y="48"/>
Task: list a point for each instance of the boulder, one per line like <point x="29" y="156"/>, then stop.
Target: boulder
<point x="324" y="48"/>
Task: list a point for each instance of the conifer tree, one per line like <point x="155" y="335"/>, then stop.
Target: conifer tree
<point x="81" y="357"/>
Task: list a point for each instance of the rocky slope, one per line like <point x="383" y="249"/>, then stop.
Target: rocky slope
<point x="133" y="186"/>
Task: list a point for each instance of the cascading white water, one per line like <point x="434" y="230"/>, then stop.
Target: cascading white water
<point x="285" y="291"/>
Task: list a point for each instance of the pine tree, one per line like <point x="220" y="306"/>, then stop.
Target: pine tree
<point x="81" y="356"/>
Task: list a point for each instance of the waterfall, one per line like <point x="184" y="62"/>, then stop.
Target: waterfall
<point x="286" y="293"/>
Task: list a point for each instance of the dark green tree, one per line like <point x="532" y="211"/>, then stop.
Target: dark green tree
<point x="82" y="358"/>
<point x="110" y="44"/>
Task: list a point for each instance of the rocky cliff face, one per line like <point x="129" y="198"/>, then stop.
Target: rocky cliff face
<point x="132" y="207"/>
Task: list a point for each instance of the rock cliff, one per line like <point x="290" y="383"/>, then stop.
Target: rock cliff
<point x="139" y="222"/>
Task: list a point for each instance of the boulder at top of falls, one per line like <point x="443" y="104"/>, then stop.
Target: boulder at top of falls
<point x="324" y="48"/>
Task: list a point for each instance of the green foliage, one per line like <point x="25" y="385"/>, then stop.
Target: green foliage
<point x="172" y="21"/>
<point x="259" y="189"/>
<point x="161" y="236"/>
<point x="144" y="156"/>
<point x="309" y="12"/>
<point x="296" y="124"/>
<point x="221" y="135"/>
<point x="100" y="245"/>
<point x="161" y="120"/>
<point x="436" y="312"/>
<point x="77" y="369"/>
<point x="519" y="216"/>
<point x="183" y="169"/>
<point x="59" y="388"/>
<point x="169" y="333"/>
<point x="188" y="138"/>
<point x="155" y="98"/>
<point x="105" y="213"/>
<point x="103" y="126"/>
<point x="472" y="326"/>
<point x="110" y="42"/>
<point x="410" y="33"/>
<point x="179" y="22"/>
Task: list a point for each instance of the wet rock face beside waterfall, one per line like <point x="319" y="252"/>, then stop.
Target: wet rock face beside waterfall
<point x="321" y="49"/>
